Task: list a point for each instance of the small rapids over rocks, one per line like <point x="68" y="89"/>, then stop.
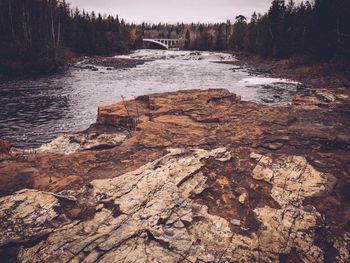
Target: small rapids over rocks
<point x="35" y="111"/>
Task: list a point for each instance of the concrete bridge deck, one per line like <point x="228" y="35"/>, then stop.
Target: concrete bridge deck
<point x="164" y="42"/>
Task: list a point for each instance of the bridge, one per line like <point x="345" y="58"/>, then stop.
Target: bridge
<point x="165" y="43"/>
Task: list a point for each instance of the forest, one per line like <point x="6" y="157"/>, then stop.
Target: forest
<point x="42" y="35"/>
<point x="319" y="29"/>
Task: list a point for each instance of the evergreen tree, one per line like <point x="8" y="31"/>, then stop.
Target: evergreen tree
<point x="187" y="43"/>
<point x="251" y="34"/>
<point x="220" y="43"/>
<point x="205" y="41"/>
<point x="239" y="31"/>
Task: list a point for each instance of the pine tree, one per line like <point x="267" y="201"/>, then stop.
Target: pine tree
<point x="251" y="34"/>
<point x="239" y="32"/>
<point x="187" y="43"/>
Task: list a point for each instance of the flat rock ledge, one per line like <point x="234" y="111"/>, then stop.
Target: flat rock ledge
<point x="193" y="176"/>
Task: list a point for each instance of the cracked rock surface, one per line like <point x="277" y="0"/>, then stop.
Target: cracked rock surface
<point x="148" y="215"/>
<point x="191" y="176"/>
<point x="70" y="143"/>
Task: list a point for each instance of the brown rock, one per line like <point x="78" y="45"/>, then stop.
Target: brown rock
<point x="186" y="176"/>
<point x="5" y="147"/>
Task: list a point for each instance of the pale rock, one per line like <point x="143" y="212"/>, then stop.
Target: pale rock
<point x="26" y="214"/>
<point x="68" y="143"/>
<point x="157" y="221"/>
<point x="242" y="198"/>
<point x="342" y="245"/>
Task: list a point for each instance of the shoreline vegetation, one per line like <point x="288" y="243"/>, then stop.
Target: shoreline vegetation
<point x="312" y="74"/>
<point x="39" y="37"/>
<point x="33" y="44"/>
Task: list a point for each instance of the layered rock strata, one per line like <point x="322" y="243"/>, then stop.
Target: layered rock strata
<point x="192" y="176"/>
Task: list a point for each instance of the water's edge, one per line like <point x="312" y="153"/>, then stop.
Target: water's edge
<point x="35" y="111"/>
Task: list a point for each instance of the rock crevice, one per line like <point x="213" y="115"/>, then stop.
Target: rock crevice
<point x="192" y="176"/>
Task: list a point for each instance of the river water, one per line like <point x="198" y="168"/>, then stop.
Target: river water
<point x="35" y="111"/>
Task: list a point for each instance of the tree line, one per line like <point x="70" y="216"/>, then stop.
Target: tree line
<point x="320" y="29"/>
<point x="39" y="35"/>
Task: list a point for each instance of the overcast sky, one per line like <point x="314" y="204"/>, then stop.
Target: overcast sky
<point x="172" y="11"/>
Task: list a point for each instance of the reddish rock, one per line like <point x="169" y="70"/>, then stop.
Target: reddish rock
<point x="5" y="147"/>
<point x="266" y="144"/>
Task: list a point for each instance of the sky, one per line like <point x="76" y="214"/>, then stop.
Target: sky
<point x="172" y="11"/>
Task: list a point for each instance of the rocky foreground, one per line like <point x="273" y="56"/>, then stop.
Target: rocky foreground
<point x="191" y="176"/>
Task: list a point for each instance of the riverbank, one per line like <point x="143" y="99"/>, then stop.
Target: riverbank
<point x="189" y="175"/>
<point x="14" y="70"/>
<point x="36" y="110"/>
<point x="314" y="74"/>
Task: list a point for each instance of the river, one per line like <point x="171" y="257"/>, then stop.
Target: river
<point x="34" y="111"/>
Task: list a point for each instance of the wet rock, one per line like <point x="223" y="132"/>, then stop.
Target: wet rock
<point x="110" y="63"/>
<point x="87" y="67"/>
